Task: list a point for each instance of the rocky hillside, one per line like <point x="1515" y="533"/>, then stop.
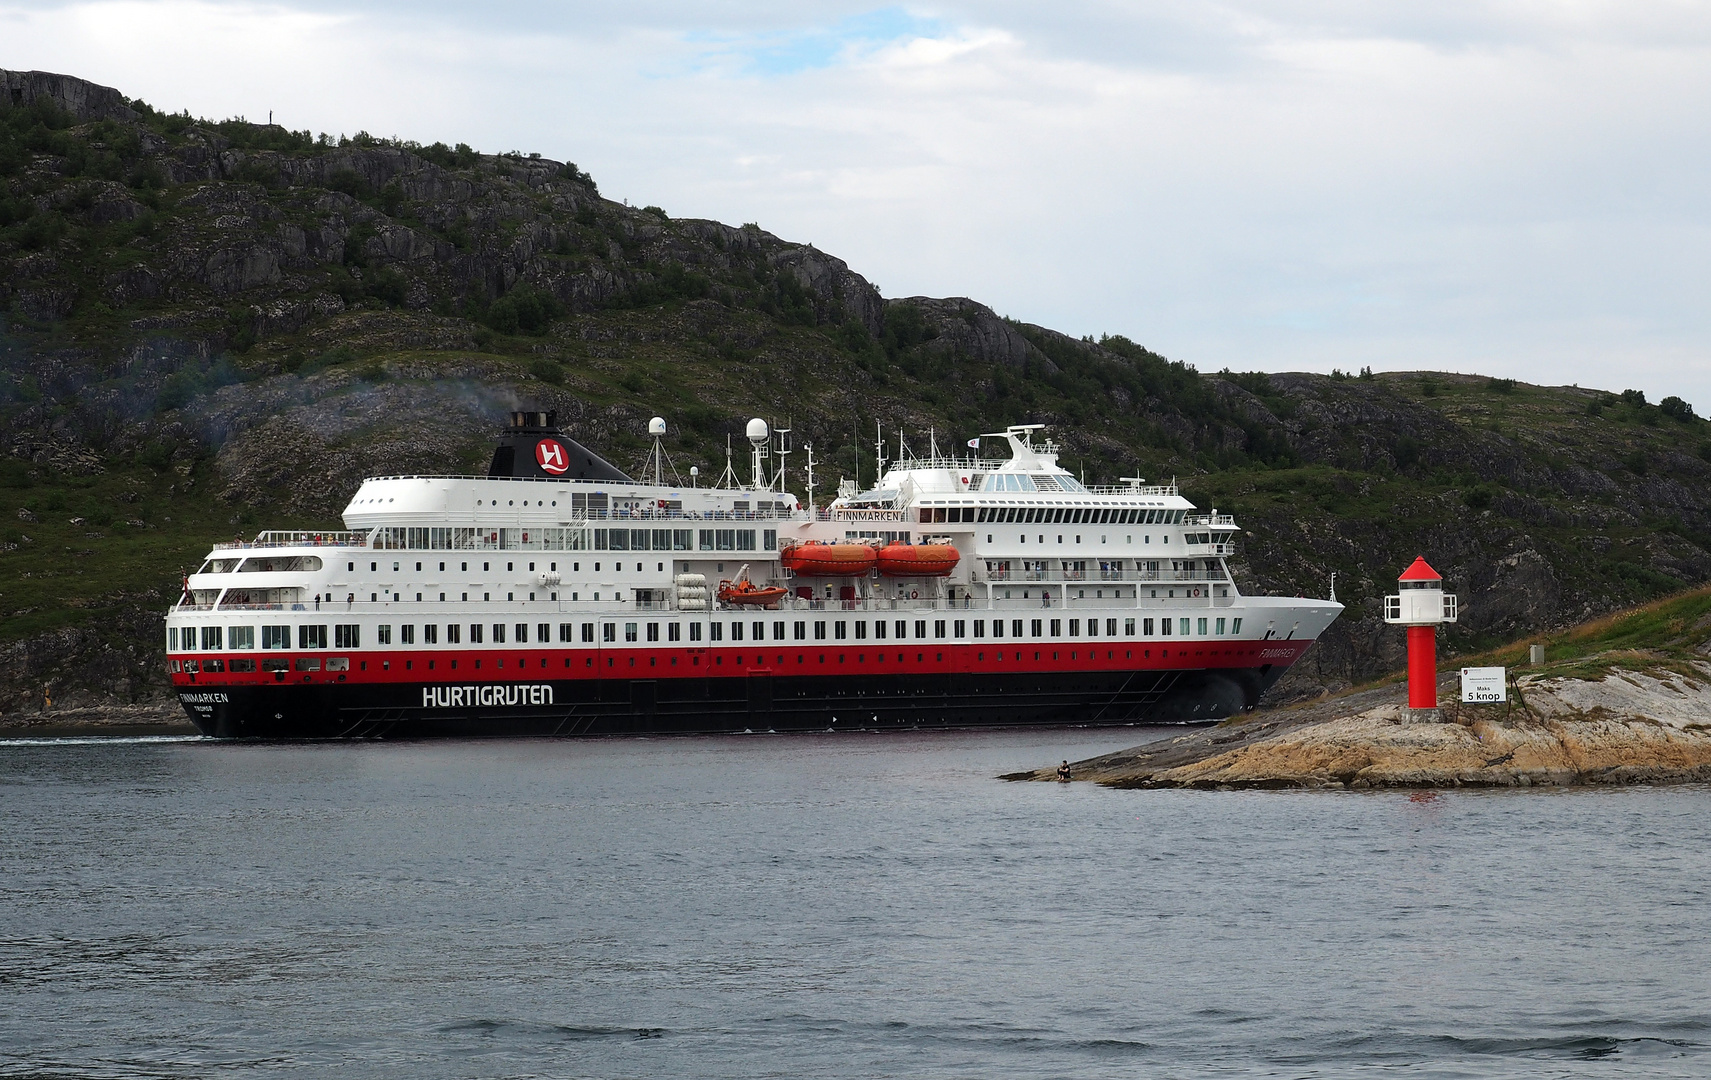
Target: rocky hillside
<point x="215" y="327"/>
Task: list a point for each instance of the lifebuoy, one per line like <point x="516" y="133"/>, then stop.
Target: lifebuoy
<point x="914" y="594"/>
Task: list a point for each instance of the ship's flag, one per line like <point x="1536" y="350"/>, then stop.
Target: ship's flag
<point x="974" y="444"/>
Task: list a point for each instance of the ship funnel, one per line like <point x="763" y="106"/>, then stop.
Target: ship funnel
<point x="532" y="445"/>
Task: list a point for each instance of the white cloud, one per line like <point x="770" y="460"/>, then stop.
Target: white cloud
<point x="1514" y="187"/>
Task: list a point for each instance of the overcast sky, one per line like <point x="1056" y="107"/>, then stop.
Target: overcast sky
<point x="1515" y="188"/>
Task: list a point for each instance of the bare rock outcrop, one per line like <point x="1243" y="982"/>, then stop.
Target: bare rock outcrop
<point x="1625" y="728"/>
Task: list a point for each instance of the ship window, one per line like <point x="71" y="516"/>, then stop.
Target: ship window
<point x="961" y="629"/>
<point x="346" y="637"/>
<point x="1235" y="626"/>
<point x="339" y="663"/>
<point x="1220" y="626"/>
<point x="861" y="631"/>
<point x="243" y="664"/>
<point x="939" y="628"/>
<point x="674" y="631"/>
<point x="240" y="637"/>
<point x="308" y="663"/>
<point x="1057" y="628"/>
<point x="522" y="632"/>
<point x="653" y="631"/>
<point x="608" y="632"/>
<point x="1182" y="627"/>
<point x="695" y="631"/>
<point x="544" y="633"/>
<point x="383" y="635"/>
<point x="312" y="637"/>
<point x="1200" y="625"/>
<point x="769" y="539"/>
<point x="920" y="629"/>
<point x="475" y="633"/>
<point x="1036" y="627"/>
<point x="1075" y="627"/>
<point x="800" y="631"/>
<point x="498" y="634"/>
<point x="211" y="637"/>
<point x="1016" y="627"/>
<point x="725" y="539"/>
<point x="839" y="629"/>
<point x="980" y="628"/>
<point x="716" y="632"/>
<point x="820" y="631"/>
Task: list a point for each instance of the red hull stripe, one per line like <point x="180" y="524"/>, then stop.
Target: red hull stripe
<point x="867" y="659"/>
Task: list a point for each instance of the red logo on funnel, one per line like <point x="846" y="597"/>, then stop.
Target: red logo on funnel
<point x="552" y="456"/>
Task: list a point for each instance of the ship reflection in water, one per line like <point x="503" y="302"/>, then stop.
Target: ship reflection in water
<point x="847" y="905"/>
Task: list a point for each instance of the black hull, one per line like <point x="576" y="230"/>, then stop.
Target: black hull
<point x="752" y="703"/>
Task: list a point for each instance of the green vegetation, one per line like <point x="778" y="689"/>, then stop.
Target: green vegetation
<point x="1666" y="635"/>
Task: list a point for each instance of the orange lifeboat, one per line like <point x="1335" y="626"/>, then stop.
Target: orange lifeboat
<point x="744" y="591"/>
<point x="917" y="560"/>
<point x="828" y="560"/>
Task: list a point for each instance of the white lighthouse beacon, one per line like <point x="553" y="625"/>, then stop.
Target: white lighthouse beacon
<point x="1420" y="606"/>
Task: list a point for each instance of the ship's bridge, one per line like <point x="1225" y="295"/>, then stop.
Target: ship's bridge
<point x="1028" y="474"/>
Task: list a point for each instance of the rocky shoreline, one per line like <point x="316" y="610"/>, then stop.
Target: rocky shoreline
<point x="107" y="720"/>
<point x="1628" y="727"/>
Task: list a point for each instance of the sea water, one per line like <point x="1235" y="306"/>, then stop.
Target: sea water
<point x="859" y="905"/>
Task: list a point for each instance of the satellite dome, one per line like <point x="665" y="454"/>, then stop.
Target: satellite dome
<point x="757" y="430"/>
<point x="656" y="426"/>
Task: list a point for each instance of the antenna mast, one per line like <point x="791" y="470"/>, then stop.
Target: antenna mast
<point x="810" y="448"/>
<point x="729" y="480"/>
<point x="783" y="453"/>
<point x="878" y="453"/>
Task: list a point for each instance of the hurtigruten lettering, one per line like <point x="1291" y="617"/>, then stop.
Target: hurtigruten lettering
<point x="457" y="697"/>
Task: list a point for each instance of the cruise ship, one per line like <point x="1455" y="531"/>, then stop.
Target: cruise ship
<point x="556" y="595"/>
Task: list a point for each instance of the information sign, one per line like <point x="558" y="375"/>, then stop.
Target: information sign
<point x="1483" y="685"/>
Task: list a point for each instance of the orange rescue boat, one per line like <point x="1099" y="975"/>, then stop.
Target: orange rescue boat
<point x="828" y="560"/>
<point x="917" y="560"/>
<point x="744" y="591"/>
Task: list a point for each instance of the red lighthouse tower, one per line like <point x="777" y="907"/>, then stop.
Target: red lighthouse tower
<point x="1420" y="606"/>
